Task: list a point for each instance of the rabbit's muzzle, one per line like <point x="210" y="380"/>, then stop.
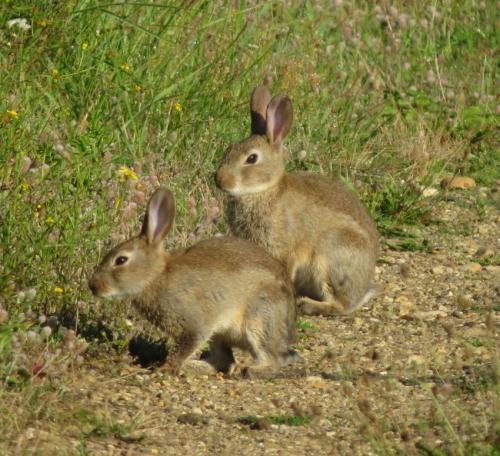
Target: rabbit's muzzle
<point x="224" y="180"/>
<point x="97" y="287"/>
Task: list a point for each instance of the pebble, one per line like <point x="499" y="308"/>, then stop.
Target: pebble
<point x="416" y="360"/>
<point x="472" y="267"/>
<point x="463" y="302"/>
<point x="458" y="182"/>
<point x="46" y="332"/>
<point x="438" y="270"/>
<point x="404" y="270"/>
<point x="192" y="419"/>
<point x="483" y="229"/>
<point x="428" y="192"/>
<point x="484" y="252"/>
<point x="315" y="381"/>
<point x="406" y="306"/>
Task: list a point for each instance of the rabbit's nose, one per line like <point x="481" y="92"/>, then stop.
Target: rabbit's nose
<point x="224" y="180"/>
<point x="93" y="286"/>
<point x="216" y="179"/>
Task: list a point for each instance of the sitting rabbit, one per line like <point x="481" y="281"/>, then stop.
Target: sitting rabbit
<point x="316" y="227"/>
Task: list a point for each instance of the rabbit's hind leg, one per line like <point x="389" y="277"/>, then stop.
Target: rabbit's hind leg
<point x="312" y="307"/>
<point x="221" y="355"/>
<point x="332" y="305"/>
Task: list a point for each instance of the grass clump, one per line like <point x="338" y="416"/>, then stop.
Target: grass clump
<point x="286" y="420"/>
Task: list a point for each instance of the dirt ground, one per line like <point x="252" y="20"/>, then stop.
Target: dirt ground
<point x="414" y="373"/>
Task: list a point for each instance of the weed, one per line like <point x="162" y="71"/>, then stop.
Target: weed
<point x="102" y="427"/>
<point x="286" y="420"/>
<point x="305" y="325"/>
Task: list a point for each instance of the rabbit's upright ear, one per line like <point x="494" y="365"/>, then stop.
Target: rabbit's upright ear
<point x="279" y="119"/>
<point x="159" y="216"/>
<point x="258" y="106"/>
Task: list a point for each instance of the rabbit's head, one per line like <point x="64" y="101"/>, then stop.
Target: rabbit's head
<point x="131" y="266"/>
<point x="257" y="163"/>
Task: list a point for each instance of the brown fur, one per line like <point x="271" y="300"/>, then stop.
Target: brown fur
<point x="225" y="291"/>
<point x="316" y="227"/>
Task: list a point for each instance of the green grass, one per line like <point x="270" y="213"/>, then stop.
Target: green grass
<point x="95" y="425"/>
<point x="164" y="89"/>
<point x="285" y="420"/>
<point x="304" y="325"/>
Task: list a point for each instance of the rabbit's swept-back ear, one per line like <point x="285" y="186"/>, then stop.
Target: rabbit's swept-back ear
<point x="258" y="106"/>
<point x="279" y="119"/>
<point x="159" y="216"/>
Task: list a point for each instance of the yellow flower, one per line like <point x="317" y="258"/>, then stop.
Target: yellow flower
<point x="54" y="73"/>
<point x="49" y="220"/>
<point x="125" y="66"/>
<point x="58" y="290"/>
<point x="137" y="88"/>
<point x="85" y="45"/>
<point x="125" y="171"/>
<point x="178" y="107"/>
<point x="13" y="113"/>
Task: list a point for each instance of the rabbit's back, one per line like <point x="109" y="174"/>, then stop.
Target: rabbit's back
<point x="217" y="280"/>
<point x="300" y="211"/>
<point x="326" y="200"/>
<point x="227" y="255"/>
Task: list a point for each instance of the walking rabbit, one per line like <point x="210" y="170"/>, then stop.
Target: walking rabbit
<point x="316" y="227"/>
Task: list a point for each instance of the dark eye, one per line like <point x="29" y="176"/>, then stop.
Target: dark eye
<point x="251" y="159"/>
<point x="121" y="260"/>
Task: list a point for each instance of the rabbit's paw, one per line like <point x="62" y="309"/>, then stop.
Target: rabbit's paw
<point x="195" y="367"/>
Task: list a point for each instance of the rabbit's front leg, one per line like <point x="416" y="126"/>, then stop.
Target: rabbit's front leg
<point x="185" y="346"/>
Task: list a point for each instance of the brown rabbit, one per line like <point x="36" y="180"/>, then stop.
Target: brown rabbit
<point x="316" y="227"/>
<point x="224" y="291"/>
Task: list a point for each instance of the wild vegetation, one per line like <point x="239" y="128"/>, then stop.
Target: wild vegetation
<point x="102" y="102"/>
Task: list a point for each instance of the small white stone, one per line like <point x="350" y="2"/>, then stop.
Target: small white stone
<point x="430" y="191"/>
<point x="438" y="270"/>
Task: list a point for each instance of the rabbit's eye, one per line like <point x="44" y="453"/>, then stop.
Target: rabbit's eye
<point x="121" y="260"/>
<point x="251" y="159"/>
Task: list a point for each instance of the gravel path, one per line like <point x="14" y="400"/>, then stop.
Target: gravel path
<point x="416" y="371"/>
